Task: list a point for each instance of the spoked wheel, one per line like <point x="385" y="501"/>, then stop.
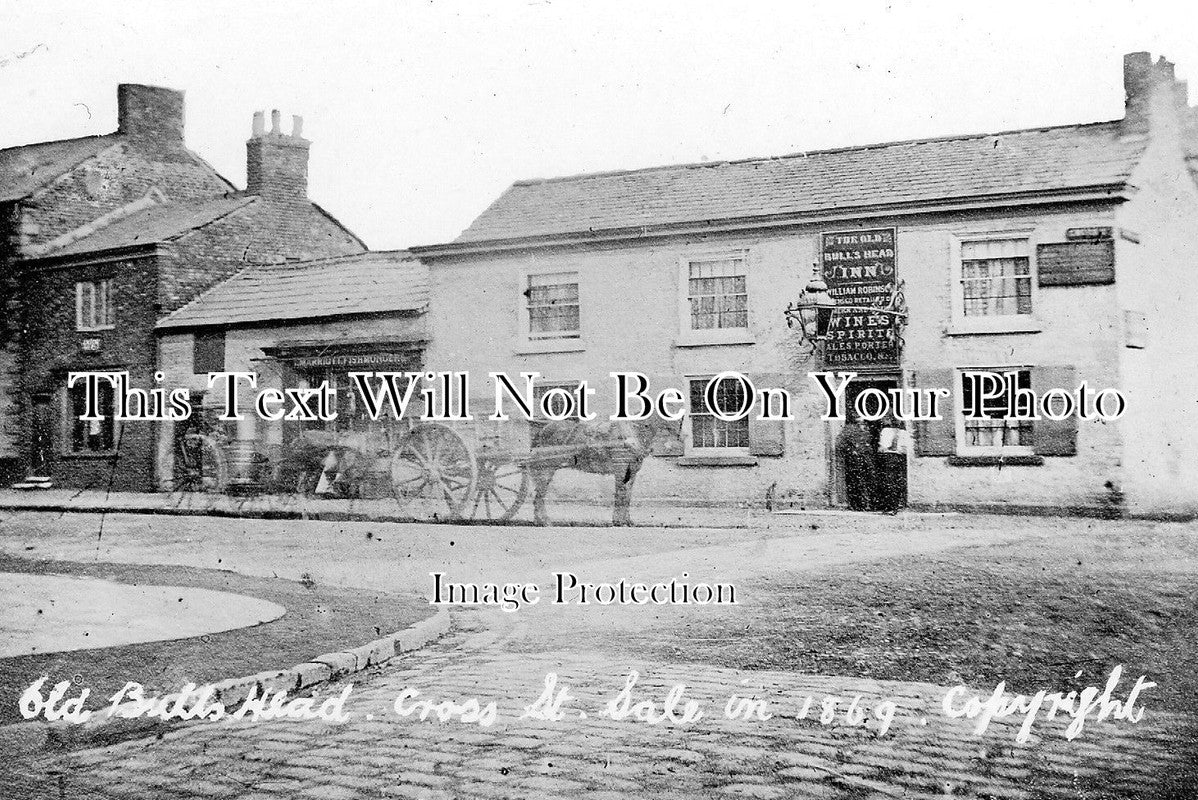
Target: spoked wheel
<point x="201" y="465"/>
<point x="433" y="463"/>
<point x="502" y="488"/>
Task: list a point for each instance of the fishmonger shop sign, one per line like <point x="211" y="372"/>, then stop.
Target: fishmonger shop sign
<point x="858" y="267"/>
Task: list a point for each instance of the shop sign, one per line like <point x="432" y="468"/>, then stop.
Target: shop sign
<point x="354" y="361"/>
<point x="859" y="267"/>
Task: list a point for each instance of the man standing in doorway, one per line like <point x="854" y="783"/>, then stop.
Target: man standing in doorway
<point x="855" y="451"/>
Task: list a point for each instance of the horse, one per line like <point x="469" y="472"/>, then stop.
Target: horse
<point x="604" y="448"/>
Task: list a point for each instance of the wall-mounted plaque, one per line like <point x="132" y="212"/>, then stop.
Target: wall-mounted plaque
<point x="1076" y="263"/>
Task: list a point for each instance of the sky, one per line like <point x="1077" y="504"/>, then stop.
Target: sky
<point x="421" y="113"/>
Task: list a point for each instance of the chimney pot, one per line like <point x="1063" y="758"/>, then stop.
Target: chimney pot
<point x="276" y="164"/>
<point x="259" y="123"/>
<point x="297" y="126"/>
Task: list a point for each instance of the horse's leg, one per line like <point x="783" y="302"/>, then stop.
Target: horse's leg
<point x="625" y="474"/>
<point x="542" y="476"/>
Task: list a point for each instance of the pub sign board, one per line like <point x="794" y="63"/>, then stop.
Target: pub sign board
<point x="858" y="267"/>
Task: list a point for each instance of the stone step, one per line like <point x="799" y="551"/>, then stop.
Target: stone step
<point x="34" y="483"/>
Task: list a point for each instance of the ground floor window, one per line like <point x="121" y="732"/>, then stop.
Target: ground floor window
<point x="993" y="430"/>
<point x="91" y="436"/>
<point x="563" y="398"/>
<point x="708" y="432"/>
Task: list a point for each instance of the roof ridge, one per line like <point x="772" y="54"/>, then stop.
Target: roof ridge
<point x="403" y="253"/>
<point x="57" y="141"/>
<point x="805" y="153"/>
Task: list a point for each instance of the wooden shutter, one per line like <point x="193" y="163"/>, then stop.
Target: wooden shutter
<point x="1054" y="437"/>
<point x="937" y="437"/>
<point x="766" y="437"/>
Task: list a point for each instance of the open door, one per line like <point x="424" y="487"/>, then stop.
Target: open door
<point x="869" y="466"/>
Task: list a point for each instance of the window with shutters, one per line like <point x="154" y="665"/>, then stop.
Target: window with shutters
<point x="708" y="432"/>
<point x="993" y="432"/>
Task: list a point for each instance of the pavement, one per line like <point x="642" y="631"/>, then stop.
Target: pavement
<point x="506" y="658"/>
<point x="271" y="506"/>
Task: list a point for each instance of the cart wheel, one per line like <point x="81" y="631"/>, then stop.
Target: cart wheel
<point x="502" y="488"/>
<point x="201" y="465"/>
<point x="432" y="462"/>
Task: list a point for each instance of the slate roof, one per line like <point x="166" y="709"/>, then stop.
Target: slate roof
<point x="364" y="283"/>
<point x="27" y="168"/>
<point x="159" y="223"/>
<point x="891" y="174"/>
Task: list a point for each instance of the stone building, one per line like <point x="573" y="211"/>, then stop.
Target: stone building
<point x="108" y="234"/>
<point x="295" y="325"/>
<point x="1051" y="255"/>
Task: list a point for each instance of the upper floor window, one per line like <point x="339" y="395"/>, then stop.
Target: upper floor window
<point x="717" y="292"/>
<point x="93" y="305"/>
<point x="995" y="278"/>
<point x="553" y="306"/>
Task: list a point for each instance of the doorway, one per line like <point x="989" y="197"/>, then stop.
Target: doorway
<point x="39" y="462"/>
<point x="869" y="461"/>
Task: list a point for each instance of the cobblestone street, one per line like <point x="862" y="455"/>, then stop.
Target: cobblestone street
<point x="379" y="754"/>
<point x="505" y="658"/>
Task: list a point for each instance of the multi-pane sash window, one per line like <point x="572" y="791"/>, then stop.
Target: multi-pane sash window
<point x="996" y="277"/>
<point x="93" y="305"/>
<point x="91" y="436"/>
<point x="994" y="430"/>
<point x="707" y="431"/>
<point x="717" y="293"/>
<point x="553" y="306"/>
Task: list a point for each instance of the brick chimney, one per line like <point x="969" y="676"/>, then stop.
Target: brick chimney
<point x="1154" y="98"/>
<point x="150" y="112"/>
<point x="276" y="166"/>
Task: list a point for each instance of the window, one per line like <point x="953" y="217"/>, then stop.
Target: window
<point x="91" y="436"/>
<point x="93" y="306"/>
<point x="996" y="278"/>
<point x="717" y="294"/>
<point x="709" y="432"/>
<point x="208" y="352"/>
<point x="553" y="306"/>
<point x="558" y="403"/>
<point x="993" y="431"/>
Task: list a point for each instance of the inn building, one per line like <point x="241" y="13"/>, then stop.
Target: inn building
<point x="1052" y="255"/>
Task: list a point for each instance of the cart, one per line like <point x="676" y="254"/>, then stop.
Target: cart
<point x="426" y="465"/>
